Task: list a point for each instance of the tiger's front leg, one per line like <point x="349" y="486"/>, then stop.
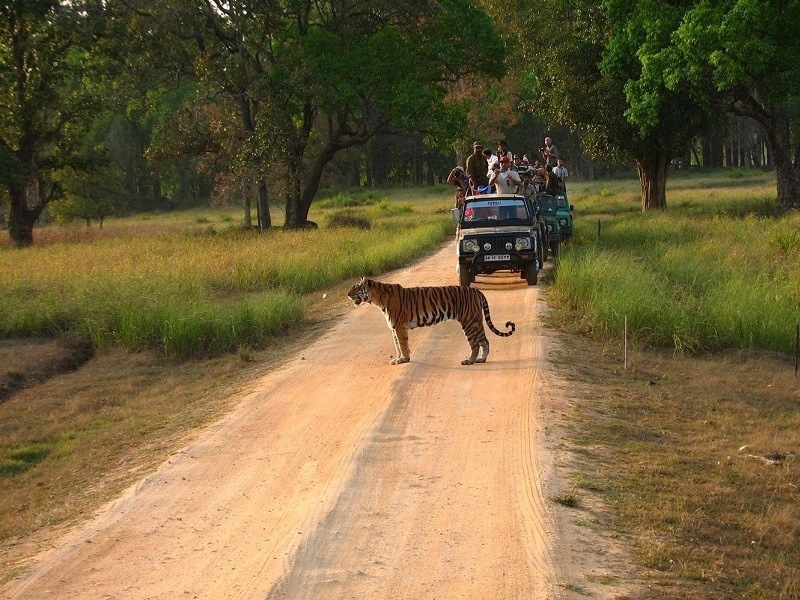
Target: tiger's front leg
<point x="400" y="335"/>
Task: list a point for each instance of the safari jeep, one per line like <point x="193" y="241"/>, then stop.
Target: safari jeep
<point x="497" y="232"/>
<point x="557" y="213"/>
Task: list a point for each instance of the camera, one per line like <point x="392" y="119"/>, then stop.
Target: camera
<point x="543" y="150"/>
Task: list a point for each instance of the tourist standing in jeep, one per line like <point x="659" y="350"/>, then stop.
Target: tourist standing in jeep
<point x="562" y="173"/>
<point x="477" y="168"/>
<point x="505" y="180"/>
<point x="549" y="152"/>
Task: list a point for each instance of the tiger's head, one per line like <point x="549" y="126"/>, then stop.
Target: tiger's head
<point x="360" y="292"/>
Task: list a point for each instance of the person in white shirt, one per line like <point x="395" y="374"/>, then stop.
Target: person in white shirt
<point x="492" y="160"/>
<point x="505" y="181"/>
<point x="561" y="172"/>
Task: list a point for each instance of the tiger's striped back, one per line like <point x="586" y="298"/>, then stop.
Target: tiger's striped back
<point x="408" y="308"/>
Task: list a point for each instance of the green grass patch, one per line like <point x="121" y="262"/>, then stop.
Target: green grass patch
<point x="714" y="272"/>
<point x="173" y="283"/>
<point x="16" y="460"/>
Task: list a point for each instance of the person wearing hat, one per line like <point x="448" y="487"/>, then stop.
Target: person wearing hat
<point x="477" y="168"/>
<point x="505" y="180"/>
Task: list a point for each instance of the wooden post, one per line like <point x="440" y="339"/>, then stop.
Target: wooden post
<point x="626" y="343"/>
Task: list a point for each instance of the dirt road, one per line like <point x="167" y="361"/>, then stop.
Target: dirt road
<point x="340" y="476"/>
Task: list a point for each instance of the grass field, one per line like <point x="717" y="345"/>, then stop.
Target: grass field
<point x="678" y="447"/>
<point x="195" y="285"/>
<point x="672" y="448"/>
<point x="716" y="271"/>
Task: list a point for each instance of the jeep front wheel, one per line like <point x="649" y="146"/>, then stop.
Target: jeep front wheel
<point x="464" y="276"/>
<point x="531" y="273"/>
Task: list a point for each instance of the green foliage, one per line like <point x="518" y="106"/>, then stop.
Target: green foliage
<point x="90" y="195"/>
<point x="17" y="460"/>
<point x="48" y="95"/>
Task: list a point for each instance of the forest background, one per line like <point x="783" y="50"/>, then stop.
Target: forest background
<point x="132" y="105"/>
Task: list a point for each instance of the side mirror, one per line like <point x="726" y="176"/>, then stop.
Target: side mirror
<point x="455" y="214"/>
<point x="571" y="207"/>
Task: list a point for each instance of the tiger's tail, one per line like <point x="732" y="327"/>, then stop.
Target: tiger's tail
<point x="489" y="319"/>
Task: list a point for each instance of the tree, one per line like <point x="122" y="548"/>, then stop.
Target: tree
<point x="90" y="195"/>
<point x="45" y="102"/>
<point x="745" y="56"/>
<point x="599" y="75"/>
<point x="315" y="79"/>
<point x="153" y="111"/>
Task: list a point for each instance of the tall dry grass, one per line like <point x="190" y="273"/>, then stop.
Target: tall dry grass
<point x="715" y="270"/>
<point x="193" y="285"/>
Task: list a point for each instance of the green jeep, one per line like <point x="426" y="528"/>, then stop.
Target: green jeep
<point x="564" y="215"/>
<point x="497" y="232"/>
<point x="556" y="213"/>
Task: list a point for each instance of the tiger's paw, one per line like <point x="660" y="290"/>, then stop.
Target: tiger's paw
<point x="482" y="359"/>
<point x="468" y="361"/>
<point x="399" y="361"/>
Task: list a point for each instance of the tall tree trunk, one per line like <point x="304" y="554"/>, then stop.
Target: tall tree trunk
<point x="264" y="218"/>
<point x="248" y="112"/>
<point x="797" y="157"/>
<point x="354" y="168"/>
<point x="653" y="179"/>
<point x="298" y="201"/>
<point x="247" y="222"/>
<point x="21" y="217"/>
<point x="295" y="216"/>
<point x="779" y="143"/>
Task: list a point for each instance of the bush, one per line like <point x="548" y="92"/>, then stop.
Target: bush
<point x="349" y="219"/>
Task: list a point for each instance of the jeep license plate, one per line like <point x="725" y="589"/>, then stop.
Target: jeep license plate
<point x="489" y="257"/>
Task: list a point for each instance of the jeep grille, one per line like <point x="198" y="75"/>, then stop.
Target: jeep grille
<point x="498" y="243"/>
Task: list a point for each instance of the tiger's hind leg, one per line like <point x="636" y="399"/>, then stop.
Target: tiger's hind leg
<point x="483" y="343"/>
<point x="478" y="344"/>
<point x="401" y="347"/>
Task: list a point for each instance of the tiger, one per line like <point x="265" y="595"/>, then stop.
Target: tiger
<point x="407" y="308"/>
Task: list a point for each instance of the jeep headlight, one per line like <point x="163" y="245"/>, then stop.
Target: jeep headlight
<point x="549" y="227"/>
<point x="470" y="246"/>
<point x="522" y="243"/>
<point x="563" y="222"/>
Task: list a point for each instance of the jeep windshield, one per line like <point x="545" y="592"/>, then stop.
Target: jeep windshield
<point x="551" y="204"/>
<point x="495" y="212"/>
